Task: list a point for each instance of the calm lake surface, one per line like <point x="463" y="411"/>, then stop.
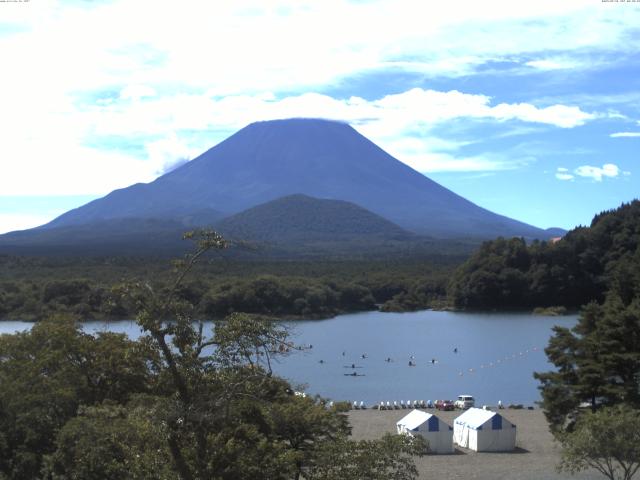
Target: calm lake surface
<point x="497" y="354"/>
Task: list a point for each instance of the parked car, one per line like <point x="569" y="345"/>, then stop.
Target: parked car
<point x="464" y="402"/>
<point x="444" y="405"/>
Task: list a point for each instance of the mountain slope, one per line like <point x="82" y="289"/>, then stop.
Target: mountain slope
<point x="319" y="158"/>
<point x="299" y="218"/>
<point x="116" y="236"/>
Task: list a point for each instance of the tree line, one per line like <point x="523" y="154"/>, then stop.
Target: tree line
<point x="592" y="397"/>
<point x="579" y="268"/>
<point x="283" y="289"/>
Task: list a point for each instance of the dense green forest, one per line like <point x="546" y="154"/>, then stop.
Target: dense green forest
<point x="184" y="401"/>
<point x="571" y="272"/>
<point x="31" y="288"/>
<point x="501" y="274"/>
<point x="592" y="396"/>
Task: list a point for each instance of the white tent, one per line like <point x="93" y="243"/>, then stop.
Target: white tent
<point x="438" y="433"/>
<point x="484" y="431"/>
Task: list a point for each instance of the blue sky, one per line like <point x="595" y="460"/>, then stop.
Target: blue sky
<point x="530" y="109"/>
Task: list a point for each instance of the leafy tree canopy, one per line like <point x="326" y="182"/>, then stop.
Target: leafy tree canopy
<point x="607" y="441"/>
<point x="179" y="403"/>
<point x="579" y="268"/>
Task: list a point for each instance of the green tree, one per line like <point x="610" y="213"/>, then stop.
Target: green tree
<point x="389" y="458"/>
<point x="607" y="440"/>
<point x="597" y="362"/>
<point x="111" y="442"/>
<point x="47" y="373"/>
<point x="226" y="415"/>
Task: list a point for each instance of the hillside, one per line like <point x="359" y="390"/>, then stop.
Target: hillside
<point x="583" y="266"/>
<point x="299" y="218"/>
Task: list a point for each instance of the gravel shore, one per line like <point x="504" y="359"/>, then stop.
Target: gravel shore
<point x="535" y="457"/>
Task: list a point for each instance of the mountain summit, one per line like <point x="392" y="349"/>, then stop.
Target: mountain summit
<point x="319" y="158"/>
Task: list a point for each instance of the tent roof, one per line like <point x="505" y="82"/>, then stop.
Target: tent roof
<point x="414" y="419"/>
<point x="475" y="417"/>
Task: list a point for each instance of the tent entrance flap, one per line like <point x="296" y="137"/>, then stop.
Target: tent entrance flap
<point x="496" y="422"/>
<point x="434" y="424"/>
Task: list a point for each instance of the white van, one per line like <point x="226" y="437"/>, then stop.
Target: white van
<point x="465" y="401"/>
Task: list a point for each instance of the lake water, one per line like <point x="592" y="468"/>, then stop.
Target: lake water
<point x="497" y="354"/>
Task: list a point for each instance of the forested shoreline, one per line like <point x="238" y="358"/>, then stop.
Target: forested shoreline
<point x="503" y="274"/>
<point x="32" y="288"/>
<point x="578" y="269"/>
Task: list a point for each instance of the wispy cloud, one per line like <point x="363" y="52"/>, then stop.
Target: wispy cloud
<point x="625" y="134"/>
<point x="563" y="174"/>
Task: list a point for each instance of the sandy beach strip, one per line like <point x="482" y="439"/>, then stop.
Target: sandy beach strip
<point x="535" y="457"/>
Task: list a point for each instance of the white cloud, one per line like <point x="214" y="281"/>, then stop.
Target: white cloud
<point x="413" y="108"/>
<point x="625" y="134"/>
<point x="562" y="173"/>
<point x="559" y="115"/>
<point x="53" y="143"/>
<point x="169" y="153"/>
<point x="587" y="171"/>
<point x="597" y="173"/>
<point x="287" y="45"/>
<point x="136" y="92"/>
<point x="564" y="176"/>
<point x="443" y="162"/>
<point x="551" y="64"/>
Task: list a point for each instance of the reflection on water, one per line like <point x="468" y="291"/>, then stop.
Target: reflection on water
<point x="410" y="356"/>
